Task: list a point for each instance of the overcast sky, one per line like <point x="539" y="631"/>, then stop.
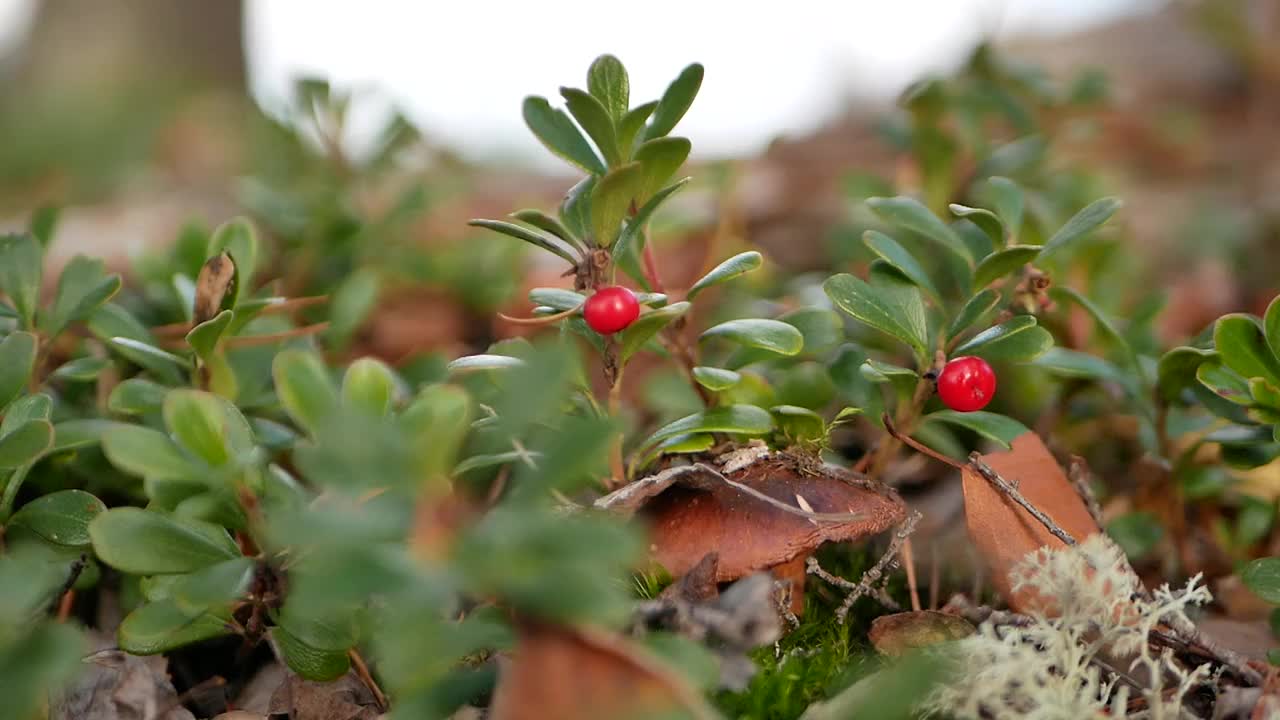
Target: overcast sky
<point x="462" y="68"/>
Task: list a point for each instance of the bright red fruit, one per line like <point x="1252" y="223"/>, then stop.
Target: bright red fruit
<point x="967" y="384"/>
<point x="611" y="309"/>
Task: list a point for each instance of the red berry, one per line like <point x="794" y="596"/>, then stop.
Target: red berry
<point x="967" y="384"/>
<point x="611" y="309"/>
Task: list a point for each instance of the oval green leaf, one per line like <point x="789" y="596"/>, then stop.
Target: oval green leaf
<point x="145" y="542"/>
<point x="773" y="335"/>
<point x="739" y="264"/>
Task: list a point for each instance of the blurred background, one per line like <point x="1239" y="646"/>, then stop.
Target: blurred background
<point x="362" y="140"/>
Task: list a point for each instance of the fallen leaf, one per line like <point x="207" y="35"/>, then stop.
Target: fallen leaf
<point x="579" y="674"/>
<point x="1003" y="531"/>
<point x="343" y="699"/>
<point x="694" y="510"/>
<point x="119" y="686"/>
<point x="894" y="635"/>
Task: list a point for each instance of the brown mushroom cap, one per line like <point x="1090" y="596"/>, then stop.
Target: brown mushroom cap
<point x="697" y="513"/>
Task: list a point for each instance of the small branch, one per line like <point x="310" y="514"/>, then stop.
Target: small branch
<point x="909" y="562"/>
<point x="362" y="672"/>
<point x="918" y="446"/>
<point x="180" y="329"/>
<point x="1079" y="474"/>
<point x="541" y="319"/>
<point x="1188" y="637"/>
<point x="244" y="341"/>
<point x="868" y="584"/>
<point x="66" y="596"/>
<point x="990" y="475"/>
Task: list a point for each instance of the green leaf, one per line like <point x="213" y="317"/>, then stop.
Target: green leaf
<point x="866" y="304"/>
<point x="147" y="355"/>
<point x="631" y="124"/>
<point x="17" y="362"/>
<point x="215" y="586"/>
<point x="1019" y="340"/>
<point x="1000" y="428"/>
<point x="21" y="269"/>
<point x="73" y="434"/>
<point x="196" y="421"/>
<point x="910" y="214"/>
<point x="646" y="326"/>
<point x="370" y="386"/>
<point x="1271" y="326"/>
<point x="594" y="118"/>
<point x="999" y="264"/>
<point x="146" y="453"/>
<point x="1177" y="369"/>
<point x="305" y="390"/>
<point x="309" y="662"/>
<point x="25" y="444"/>
<point x="82" y="288"/>
<point x="84" y="369"/>
<point x="1081" y="224"/>
<point x="556" y="131"/>
<point x="659" y="159"/>
<point x="1007" y="198"/>
<point x="136" y="396"/>
<point x="1264" y="393"/>
<point x="145" y="542"/>
<point x="731" y="419"/>
<point x="891" y="252"/>
<point x="62" y="517"/>
<point x="111" y="321"/>
<point x="1262" y="576"/>
<point x="24" y="410"/>
<point x="739" y="264"/>
<point x="983" y="218"/>
<point x="438" y="420"/>
<point x="352" y="303"/>
<point x="1137" y="533"/>
<point x="1243" y="347"/>
<point x="204" y="337"/>
<point x="239" y="239"/>
<point x="472" y="363"/>
<point x="575" y="208"/>
<point x="772" y="335"/>
<point x="1072" y="363"/>
<point x="557" y="299"/>
<point x="527" y="235"/>
<point x="675" y="102"/>
<point x="631" y="238"/>
<point x="611" y="202"/>
<point x="798" y="423"/>
<point x="1223" y="381"/>
<point x="607" y="80"/>
<point x="546" y="223"/>
<point x="975" y="309"/>
<point x="162" y="626"/>
<point x="715" y="379"/>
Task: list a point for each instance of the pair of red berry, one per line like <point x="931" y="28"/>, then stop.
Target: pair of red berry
<point x="965" y="384"/>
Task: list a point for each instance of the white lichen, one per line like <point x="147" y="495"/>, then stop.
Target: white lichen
<point x="1084" y="654"/>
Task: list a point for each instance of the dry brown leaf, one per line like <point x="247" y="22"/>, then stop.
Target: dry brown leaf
<point x="578" y="674"/>
<point x="1003" y="531"/>
<point x="212" y="285"/>
<point x="894" y="635"/>
<point x="343" y="699"/>
<point x="696" y="512"/>
<point x="117" y="686"/>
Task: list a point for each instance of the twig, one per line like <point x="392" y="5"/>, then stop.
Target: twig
<point x="1079" y="474"/>
<point x="909" y="562"/>
<point x="990" y="475"/>
<point x="66" y="596"/>
<point x="935" y="576"/>
<point x="868" y="583"/>
<point x="1187" y="636"/>
<point x="362" y="672"/>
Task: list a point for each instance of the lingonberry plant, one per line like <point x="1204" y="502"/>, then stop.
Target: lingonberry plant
<point x="201" y="452"/>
